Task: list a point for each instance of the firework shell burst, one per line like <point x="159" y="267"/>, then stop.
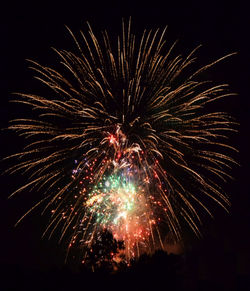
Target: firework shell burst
<point x="123" y="142"/>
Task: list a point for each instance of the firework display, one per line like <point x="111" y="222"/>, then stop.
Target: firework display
<point x="124" y="142"/>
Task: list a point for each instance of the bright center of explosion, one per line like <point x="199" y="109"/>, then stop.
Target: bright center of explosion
<point x="120" y="206"/>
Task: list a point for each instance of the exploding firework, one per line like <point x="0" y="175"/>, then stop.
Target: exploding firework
<point x="123" y="142"/>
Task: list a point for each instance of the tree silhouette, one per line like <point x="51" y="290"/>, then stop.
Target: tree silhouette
<point x="105" y="253"/>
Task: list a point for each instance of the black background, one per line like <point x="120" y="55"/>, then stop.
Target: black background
<point x="29" y="30"/>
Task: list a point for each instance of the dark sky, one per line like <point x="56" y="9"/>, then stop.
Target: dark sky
<point x="28" y="31"/>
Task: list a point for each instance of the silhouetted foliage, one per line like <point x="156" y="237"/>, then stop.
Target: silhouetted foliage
<point x="100" y="256"/>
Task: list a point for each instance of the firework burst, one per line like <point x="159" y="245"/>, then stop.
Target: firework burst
<point x="122" y="142"/>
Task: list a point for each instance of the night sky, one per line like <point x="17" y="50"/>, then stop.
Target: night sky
<point x="29" y="31"/>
